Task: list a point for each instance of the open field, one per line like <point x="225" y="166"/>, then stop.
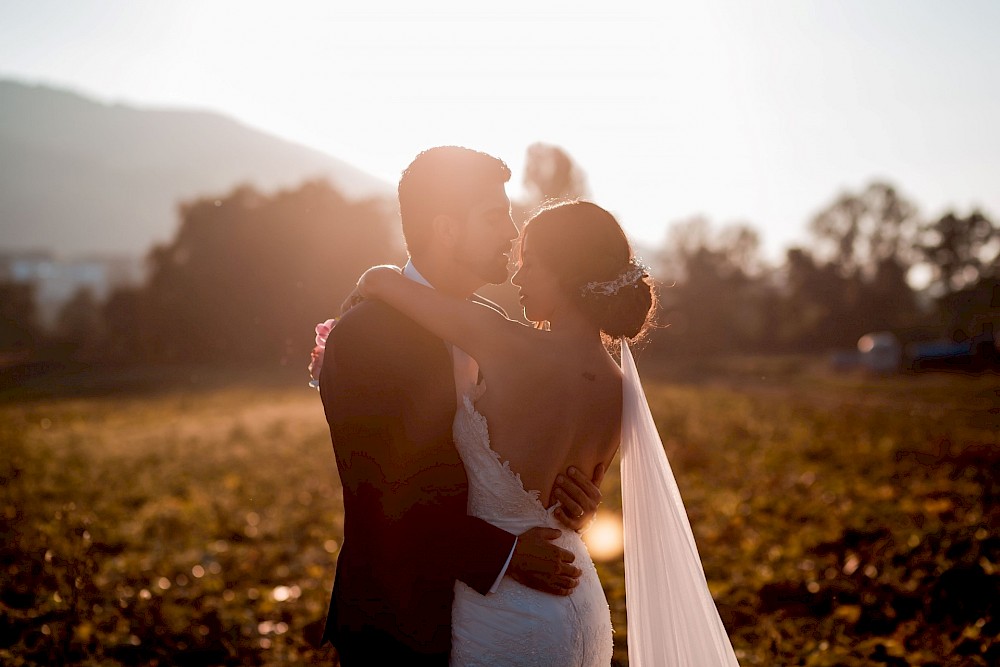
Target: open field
<point x="842" y="520"/>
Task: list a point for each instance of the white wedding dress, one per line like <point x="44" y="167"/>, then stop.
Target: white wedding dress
<point x="672" y="618"/>
<point x="517" y="625"/>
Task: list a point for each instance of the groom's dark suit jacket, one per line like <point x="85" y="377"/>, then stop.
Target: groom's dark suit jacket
<point x="389" y="394"/>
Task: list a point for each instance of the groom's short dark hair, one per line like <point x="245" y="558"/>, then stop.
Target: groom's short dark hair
<point x="444" y="179"/>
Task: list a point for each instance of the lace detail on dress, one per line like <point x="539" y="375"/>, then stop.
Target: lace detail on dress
<point x="516" y="625"/>
<point x="483" y="433"/>
<point x="500" y="491"/>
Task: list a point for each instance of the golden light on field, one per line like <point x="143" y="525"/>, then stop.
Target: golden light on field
<point x="604" y="539"/>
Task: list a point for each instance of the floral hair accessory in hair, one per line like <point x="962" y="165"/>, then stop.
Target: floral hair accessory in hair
<point x="323" y="330"/>
<point x="631" y="275"/>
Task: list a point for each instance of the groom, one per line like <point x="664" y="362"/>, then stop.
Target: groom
<point x="389" y="393"/>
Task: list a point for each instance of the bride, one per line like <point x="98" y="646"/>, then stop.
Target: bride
<point x="550" y="397"/>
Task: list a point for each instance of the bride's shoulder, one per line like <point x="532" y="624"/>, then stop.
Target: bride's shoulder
<point x="536" y="350"/>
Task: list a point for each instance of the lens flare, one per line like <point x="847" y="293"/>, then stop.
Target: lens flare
<point x="604" y="539"/>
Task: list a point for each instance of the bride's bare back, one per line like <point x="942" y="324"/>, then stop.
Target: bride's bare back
<point x="551" y="402"/>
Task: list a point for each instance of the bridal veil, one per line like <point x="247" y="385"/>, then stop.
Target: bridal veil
<point x="672" y="618"/>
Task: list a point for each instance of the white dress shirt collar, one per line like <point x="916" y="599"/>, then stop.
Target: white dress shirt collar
<point x="411" y="272"/>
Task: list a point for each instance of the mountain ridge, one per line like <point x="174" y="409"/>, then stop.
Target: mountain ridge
<point x="80" y="176"/>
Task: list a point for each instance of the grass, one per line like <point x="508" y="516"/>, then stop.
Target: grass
<point x="196" y="519"/>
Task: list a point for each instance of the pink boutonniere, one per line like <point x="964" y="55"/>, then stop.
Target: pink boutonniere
<point x="323" y="330"/>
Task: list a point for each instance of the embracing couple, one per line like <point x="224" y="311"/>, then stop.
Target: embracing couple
<point x="460" y="437"/>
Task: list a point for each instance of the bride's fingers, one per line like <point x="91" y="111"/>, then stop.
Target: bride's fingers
<point x="567" y="520"/>
<point x="599" y="476"/>
<point x="579" y="489"/>
<point x="353" y="299"/>
<point x="570" y="507"/>
<point x="588" y="486"/>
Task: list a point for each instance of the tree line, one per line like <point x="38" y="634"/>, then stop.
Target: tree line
<point x="248" y="274"/>
<point x="855" y="276"/>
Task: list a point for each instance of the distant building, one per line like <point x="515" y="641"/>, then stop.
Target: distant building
<point x="57" y="279"/>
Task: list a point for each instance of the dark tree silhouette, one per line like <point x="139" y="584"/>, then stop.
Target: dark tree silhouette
<point x="19" y="328"/>
<point x="248" y="276"/>
<point x="123" y="313"/>
<point x="971" y="311"/>
<point x="853" y="280"/>
<point x="858" y="232"/>
<point x="960" y="251"/>
<point x="818" y="302"/>
<point x="713" y="292"/>
<point x="80" y="326"/>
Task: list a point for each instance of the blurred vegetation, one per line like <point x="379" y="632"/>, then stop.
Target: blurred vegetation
<point x="841" y="519"/>
<point x="248" y="275"/>
<point x="19" y="329"/>
<point x="852" y="279"/>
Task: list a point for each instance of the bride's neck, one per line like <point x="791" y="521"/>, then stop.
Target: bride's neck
<point x="572" y="324"/>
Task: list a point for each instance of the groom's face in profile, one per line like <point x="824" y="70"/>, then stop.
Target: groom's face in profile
<point x="485" y="242"/>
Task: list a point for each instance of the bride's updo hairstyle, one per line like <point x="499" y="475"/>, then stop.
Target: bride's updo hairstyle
<point x="589" y="253"/>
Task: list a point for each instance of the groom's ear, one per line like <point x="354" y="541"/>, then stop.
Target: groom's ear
<point x="447" y="230"/>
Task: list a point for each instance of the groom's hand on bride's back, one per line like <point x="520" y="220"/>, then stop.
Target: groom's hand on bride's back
<point x="539" y="564"/>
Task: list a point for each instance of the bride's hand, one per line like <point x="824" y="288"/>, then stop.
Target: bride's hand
<point x="579" y="498"/>
<point x="353" y="299"/>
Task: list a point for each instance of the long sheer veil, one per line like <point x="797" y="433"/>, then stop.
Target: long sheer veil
<point x="672" y="618"/>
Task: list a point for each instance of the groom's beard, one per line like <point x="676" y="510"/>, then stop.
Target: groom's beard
<point x="491" y="271"/>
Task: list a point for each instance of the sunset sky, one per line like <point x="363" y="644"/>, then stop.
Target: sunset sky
<point x="758" y="112"/>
